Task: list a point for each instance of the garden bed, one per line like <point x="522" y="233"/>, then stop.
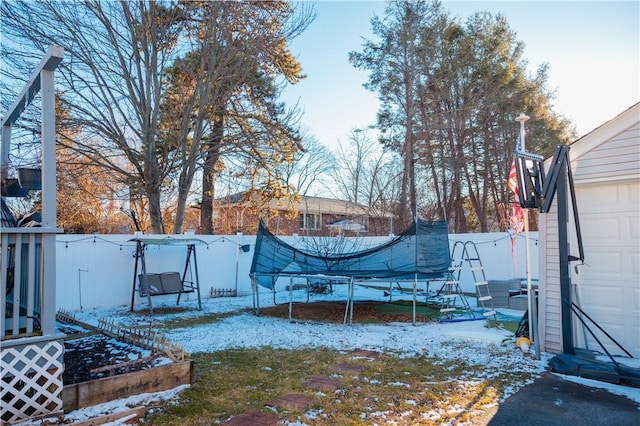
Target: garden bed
<point x="99" y="367"/>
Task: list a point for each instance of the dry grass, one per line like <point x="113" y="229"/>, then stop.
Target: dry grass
<point x="401" y="390"/>
<point x="389" y="390"/>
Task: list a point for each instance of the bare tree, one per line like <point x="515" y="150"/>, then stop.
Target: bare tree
<point x="116" y="85"/>
<point x="310" y="173"/>
<point x="366" y="174"/>
<point x="112" y="80"/>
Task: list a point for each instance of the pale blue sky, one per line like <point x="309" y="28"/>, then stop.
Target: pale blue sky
<point x="593" y="49"/>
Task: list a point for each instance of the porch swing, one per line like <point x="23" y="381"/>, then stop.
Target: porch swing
<point x="165" y="283"/>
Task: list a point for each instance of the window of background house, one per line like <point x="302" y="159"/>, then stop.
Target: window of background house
<point x="364" y="221"/>
<point x="310" y="221"/>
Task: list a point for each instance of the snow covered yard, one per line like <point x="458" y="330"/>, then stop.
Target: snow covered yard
<point x="466" y="360"/>
<point x="234" y="325"/>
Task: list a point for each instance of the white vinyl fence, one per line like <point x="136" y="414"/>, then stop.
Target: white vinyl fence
<point x="97" y="271"/>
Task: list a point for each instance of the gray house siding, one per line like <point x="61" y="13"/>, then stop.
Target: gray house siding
<point x="606" y="170"/>
<point x="617" y="157"/>
<point x="549" y="297"/>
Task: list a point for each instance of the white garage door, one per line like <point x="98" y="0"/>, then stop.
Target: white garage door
<point x="609" y="287"/>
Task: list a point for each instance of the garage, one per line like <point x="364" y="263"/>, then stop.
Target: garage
<point x="606" y="168"/>
<point x="607" y="286"/>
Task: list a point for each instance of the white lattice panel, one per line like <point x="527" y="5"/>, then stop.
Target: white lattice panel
<point x="31" y="380"/>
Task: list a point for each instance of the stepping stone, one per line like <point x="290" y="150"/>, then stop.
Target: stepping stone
<point x="320" y="383"/>
<point x="365" y="353"/>
<point x="347" y="367"/>
<point x="254" y="418"/>
<point x="292" y="401"/>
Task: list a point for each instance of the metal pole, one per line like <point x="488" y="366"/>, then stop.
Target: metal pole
<point x="80" y="286"/>
<point x="238" y="247"/>
<point x="415" y="295"/>
<point x="253" y="293"/>
<point x="415" y="259"/>
<point x="351" y="292"/>
<point x="192" y="251"/>
<point x="531" y="302"/>
<point x="290" y="295"/>
<point x="135" y="276"/>
<point x="563" y="254"/>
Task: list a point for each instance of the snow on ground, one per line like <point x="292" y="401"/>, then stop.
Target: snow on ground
<point x="248" y="330"/>
<point x="469" y="341"/>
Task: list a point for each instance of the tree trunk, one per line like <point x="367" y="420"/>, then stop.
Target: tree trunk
<point x="211" y="157"/>
<point x="155" y="212"/>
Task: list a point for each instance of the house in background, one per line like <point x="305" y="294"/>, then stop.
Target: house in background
<point x="314" y="216"/>
<point x="606" y="170"/>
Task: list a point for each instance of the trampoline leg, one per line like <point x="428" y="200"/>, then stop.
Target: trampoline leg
<point x="351" y="297"/>
<point x="255" y="294"/>
<point x="415" y="295"/>
<point x="290" y="296"/>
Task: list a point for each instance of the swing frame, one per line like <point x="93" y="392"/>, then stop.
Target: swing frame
<point x="150" y="284"/>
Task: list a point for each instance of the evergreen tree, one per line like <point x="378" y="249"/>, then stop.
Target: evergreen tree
<point x="449" y="95"/>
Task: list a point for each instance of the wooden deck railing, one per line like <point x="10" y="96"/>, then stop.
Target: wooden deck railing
<point x="23" y="289"/>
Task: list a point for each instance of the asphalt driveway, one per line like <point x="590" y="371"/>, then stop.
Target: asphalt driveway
<point x="552" y="400"/>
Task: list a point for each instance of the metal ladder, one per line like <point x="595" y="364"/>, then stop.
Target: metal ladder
<point x="452" y="299"/>
<point x="471" y="256"/>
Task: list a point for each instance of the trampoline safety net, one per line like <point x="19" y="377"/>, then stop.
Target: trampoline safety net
<point x="422" y="250"/>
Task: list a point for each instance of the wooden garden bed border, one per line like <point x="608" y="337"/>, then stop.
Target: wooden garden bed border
<point x="156" y="379"/>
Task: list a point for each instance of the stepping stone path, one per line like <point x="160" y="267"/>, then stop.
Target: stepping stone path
<point x="365" y="353"/>
<point x="293" y="401"/>
<point x="324" y="384"/>
<point x="254" y="418"/>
